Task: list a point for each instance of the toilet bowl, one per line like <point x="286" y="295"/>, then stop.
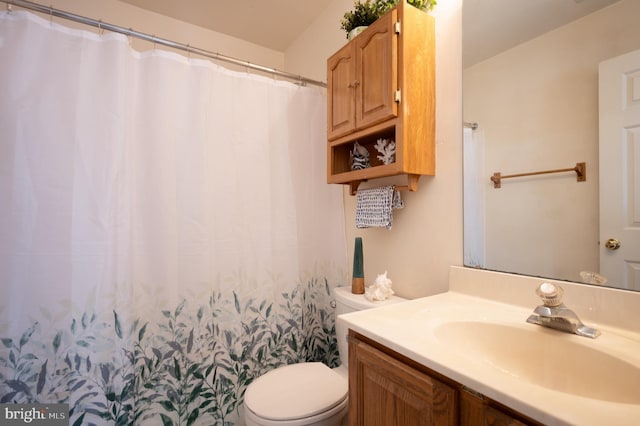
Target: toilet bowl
<point x="308" y="393"/>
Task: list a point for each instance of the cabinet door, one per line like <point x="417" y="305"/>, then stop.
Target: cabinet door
<point x="341" y="84"/>
<point x="376" y="72"/>
<point x="475" y="411"/>
<point x="384" y="391"/>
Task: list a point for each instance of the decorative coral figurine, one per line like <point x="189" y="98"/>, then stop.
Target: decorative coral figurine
<point x="387" y="149"/>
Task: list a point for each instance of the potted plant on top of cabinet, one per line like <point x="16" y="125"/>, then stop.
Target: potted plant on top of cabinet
<point x="366" y="12"/>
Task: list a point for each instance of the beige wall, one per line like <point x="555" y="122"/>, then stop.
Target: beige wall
<point x="537" y="106"/>
<point x="427" y="235"/>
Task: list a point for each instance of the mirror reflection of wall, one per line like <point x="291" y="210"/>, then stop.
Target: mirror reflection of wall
<point x="536" y="106"/>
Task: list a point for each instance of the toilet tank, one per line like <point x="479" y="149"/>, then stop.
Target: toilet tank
<point x="347" y="302"/>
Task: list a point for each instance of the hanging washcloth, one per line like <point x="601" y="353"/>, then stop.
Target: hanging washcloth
<point x="375" y="207"/>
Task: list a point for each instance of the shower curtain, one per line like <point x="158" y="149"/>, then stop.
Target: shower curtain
<point x="475" y="184"/>
<point x="166" y="232"/>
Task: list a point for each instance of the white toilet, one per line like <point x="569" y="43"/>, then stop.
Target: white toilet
<point x="308" y="393"/>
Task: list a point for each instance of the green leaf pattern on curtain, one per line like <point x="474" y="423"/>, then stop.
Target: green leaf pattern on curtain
<point x="192" y="367"/>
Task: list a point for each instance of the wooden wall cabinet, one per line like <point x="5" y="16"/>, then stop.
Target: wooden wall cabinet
<point x="382" y="85"/>
<point x="386" y="389"/>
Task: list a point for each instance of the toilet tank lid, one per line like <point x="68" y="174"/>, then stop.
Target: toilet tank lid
<point x="359" y="302"/>
<point x="296" y="391"/>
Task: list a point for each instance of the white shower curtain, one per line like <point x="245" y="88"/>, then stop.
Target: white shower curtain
<point x="475" y="184"/>
<point x="166" y="232"/>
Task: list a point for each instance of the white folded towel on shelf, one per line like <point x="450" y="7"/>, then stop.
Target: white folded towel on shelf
<point x="375" y="207"/>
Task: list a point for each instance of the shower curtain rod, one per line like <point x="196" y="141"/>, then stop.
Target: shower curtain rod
<point x="180" y="46"/>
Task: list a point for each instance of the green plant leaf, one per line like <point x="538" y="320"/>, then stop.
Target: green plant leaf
<point x="78" y="385"/>
<point x="168" y="405"/>
<point x="19" y="386"/>
<point x="56" y="342"/>
<point x="67" y="361"/>
<point x="176" y="367"/>
<point x="141" y="332"/>
<point x="27" y="335"/>
<point x="193" y="417"/>
<point x="205" y="402"/>
<point x="123" y="420"/>
<point x="8" y="397"/>
<point x="89" y="395"/>
<point x="134" y="326"/>
<point x="179" y="309"/>
<point x="195" y="393"/>
<point x="104" y="370"/>
<point x="42" y="377"/>
<point x="79" y="421"/>
<point x="118" y="327"/>
<point x="166" y="420"/>
<point x="157" y="353"/>
<point x="208" y="370"/>
<point x="236" y="301"/>
<point x="190" y="342"/>
<point x="7" y="342"/>
<point x="175" y="346"/>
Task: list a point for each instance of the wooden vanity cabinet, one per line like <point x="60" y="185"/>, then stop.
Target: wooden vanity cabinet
<point x="388" y="389"/>
<point x="382" y="85"/>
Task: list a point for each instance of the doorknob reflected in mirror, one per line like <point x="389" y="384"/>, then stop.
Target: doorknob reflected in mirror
<point x="612" y="244"/>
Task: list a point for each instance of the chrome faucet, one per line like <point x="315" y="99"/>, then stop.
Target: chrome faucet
<point x="554" y="314"/>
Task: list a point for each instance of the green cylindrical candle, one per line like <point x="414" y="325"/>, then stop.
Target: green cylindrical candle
<point x="357" y="283"/>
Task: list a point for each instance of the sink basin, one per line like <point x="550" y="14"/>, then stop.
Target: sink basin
<point x="546" y="358"/>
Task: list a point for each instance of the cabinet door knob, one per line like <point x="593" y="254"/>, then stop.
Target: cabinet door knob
<point x="354" y="84"/>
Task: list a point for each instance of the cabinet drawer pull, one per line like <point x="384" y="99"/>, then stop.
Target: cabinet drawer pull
<point x="354" y="84"/>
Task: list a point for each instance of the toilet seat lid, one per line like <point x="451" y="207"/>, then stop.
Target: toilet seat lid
<point x="296" y="391"/>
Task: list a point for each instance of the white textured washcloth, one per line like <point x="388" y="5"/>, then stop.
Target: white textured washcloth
<point x="375" y="207"/>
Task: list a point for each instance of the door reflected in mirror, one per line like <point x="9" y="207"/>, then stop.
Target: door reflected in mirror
<point x="534" y="85"/>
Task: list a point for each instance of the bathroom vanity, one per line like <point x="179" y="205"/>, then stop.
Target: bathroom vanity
<point x="463" y="358"/>
<point x="389" y="388"/>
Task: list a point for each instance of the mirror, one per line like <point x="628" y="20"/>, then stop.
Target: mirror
<point x="530" y="83"/>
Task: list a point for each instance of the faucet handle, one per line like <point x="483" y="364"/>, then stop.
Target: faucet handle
<point x="550" y="294"/>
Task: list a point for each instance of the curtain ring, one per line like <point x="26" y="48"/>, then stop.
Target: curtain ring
<point x="9" y="8"/>
<point x="100" y="29"/>
<point x="50" y="14"/>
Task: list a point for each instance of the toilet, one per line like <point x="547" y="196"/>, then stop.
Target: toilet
<point x="308" y="393"/>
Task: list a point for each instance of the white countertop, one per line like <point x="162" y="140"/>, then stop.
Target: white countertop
<point x="411" y="329"/>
